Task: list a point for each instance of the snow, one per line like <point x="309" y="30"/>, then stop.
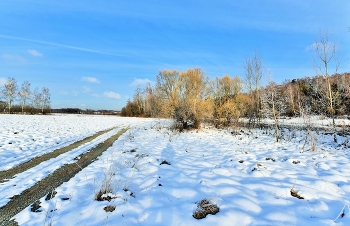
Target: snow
<point x="249" y="176"/>
<point x="23" y="137"/>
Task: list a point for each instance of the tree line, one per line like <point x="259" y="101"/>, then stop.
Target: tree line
<point x="14" y="99"/>
<point x="190" y="97"/>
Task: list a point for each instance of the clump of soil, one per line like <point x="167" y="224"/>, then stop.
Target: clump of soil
<point x="132" y="194"/>
<point x="296" y="161"/>
<point x="165" y="162"/>
<point x="35" y="207"/>
<point x="205" y="207"/>
<point x="109" y="208"/>
<point x="103" y="196"/>
<point x="272" y="159"/>
<point x="133" y="150"/>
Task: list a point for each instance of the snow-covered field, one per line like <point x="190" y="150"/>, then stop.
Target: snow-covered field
<point x="248" y="176"/>
<point x="22" y="137"/>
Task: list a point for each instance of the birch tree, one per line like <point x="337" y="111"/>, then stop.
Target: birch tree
<point x="45" y="99"/>
<point x="274" y="104"/>
<point x="36" y="100"/>
<point x="253" y="70"/>
<point x="24" y="94"/>
<point x="327" y="56"/>
<point x="9" y="92"/>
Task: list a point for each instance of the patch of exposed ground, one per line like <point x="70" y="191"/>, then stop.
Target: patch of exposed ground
<point x="52" y="181"/>
<point x="7" y="174"/>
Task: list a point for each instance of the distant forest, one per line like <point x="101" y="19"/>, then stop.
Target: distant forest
<point x="190" y="97"/>
<point x="225" y="99"/>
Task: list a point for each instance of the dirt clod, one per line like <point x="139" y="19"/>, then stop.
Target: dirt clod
<point x="165" y="162"/>
<point x="35" y="207"/>
<point x="109" y="208"/>
<point x="205" y="207"/>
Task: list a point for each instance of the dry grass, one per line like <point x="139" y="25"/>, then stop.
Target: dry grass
<point x="295" y="194"/>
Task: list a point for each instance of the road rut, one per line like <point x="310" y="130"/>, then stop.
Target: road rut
<point x="52" y="181"/>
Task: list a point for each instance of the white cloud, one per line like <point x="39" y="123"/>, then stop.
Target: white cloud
<point x="112" y="95"/>
<point x="140" y="82"/>
<point x="86" y="89"/>
<point x="2" y="81"/>
<point x="64" y="93"/>
<point x="90" y="79"/>
<point x="35" y="53"/>
<point x="96" y="95"/>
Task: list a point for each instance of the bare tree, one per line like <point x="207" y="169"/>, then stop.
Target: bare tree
<point x="253" y="70"/>
<point x="182" y="96"/>
<point x="139" y="101"/>
<point x="167" y="84"/>
<point x="152" y="101"/>
<point x="24" y="94"/>
<point x="274" y="104"/>
<point x="9" y="92"/>
<point x="36" y="100"/>
<point x="226" y="108"/>
<point x="327" y="54"/>
<point x="45" y="100"/>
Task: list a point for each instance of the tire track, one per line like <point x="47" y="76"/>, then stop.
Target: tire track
<point x="53" y="180"/>
<point x="7" y="174"/>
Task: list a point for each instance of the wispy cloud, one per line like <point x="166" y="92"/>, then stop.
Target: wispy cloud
<point x="2" y="81"/>
<point x="140" y="82"/>
<point x="13" y="57"/>
<point x="58" y="45"/>
<point x="63" y="92"/>
<point x="311" y="47"/>
<point x="90" y="79"/>
<point x="112" y="95"/>
<point x="86" y="89"/>
<point x="35" y="53"/>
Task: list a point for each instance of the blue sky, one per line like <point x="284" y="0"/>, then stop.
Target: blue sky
<point x="93" y="54"/>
